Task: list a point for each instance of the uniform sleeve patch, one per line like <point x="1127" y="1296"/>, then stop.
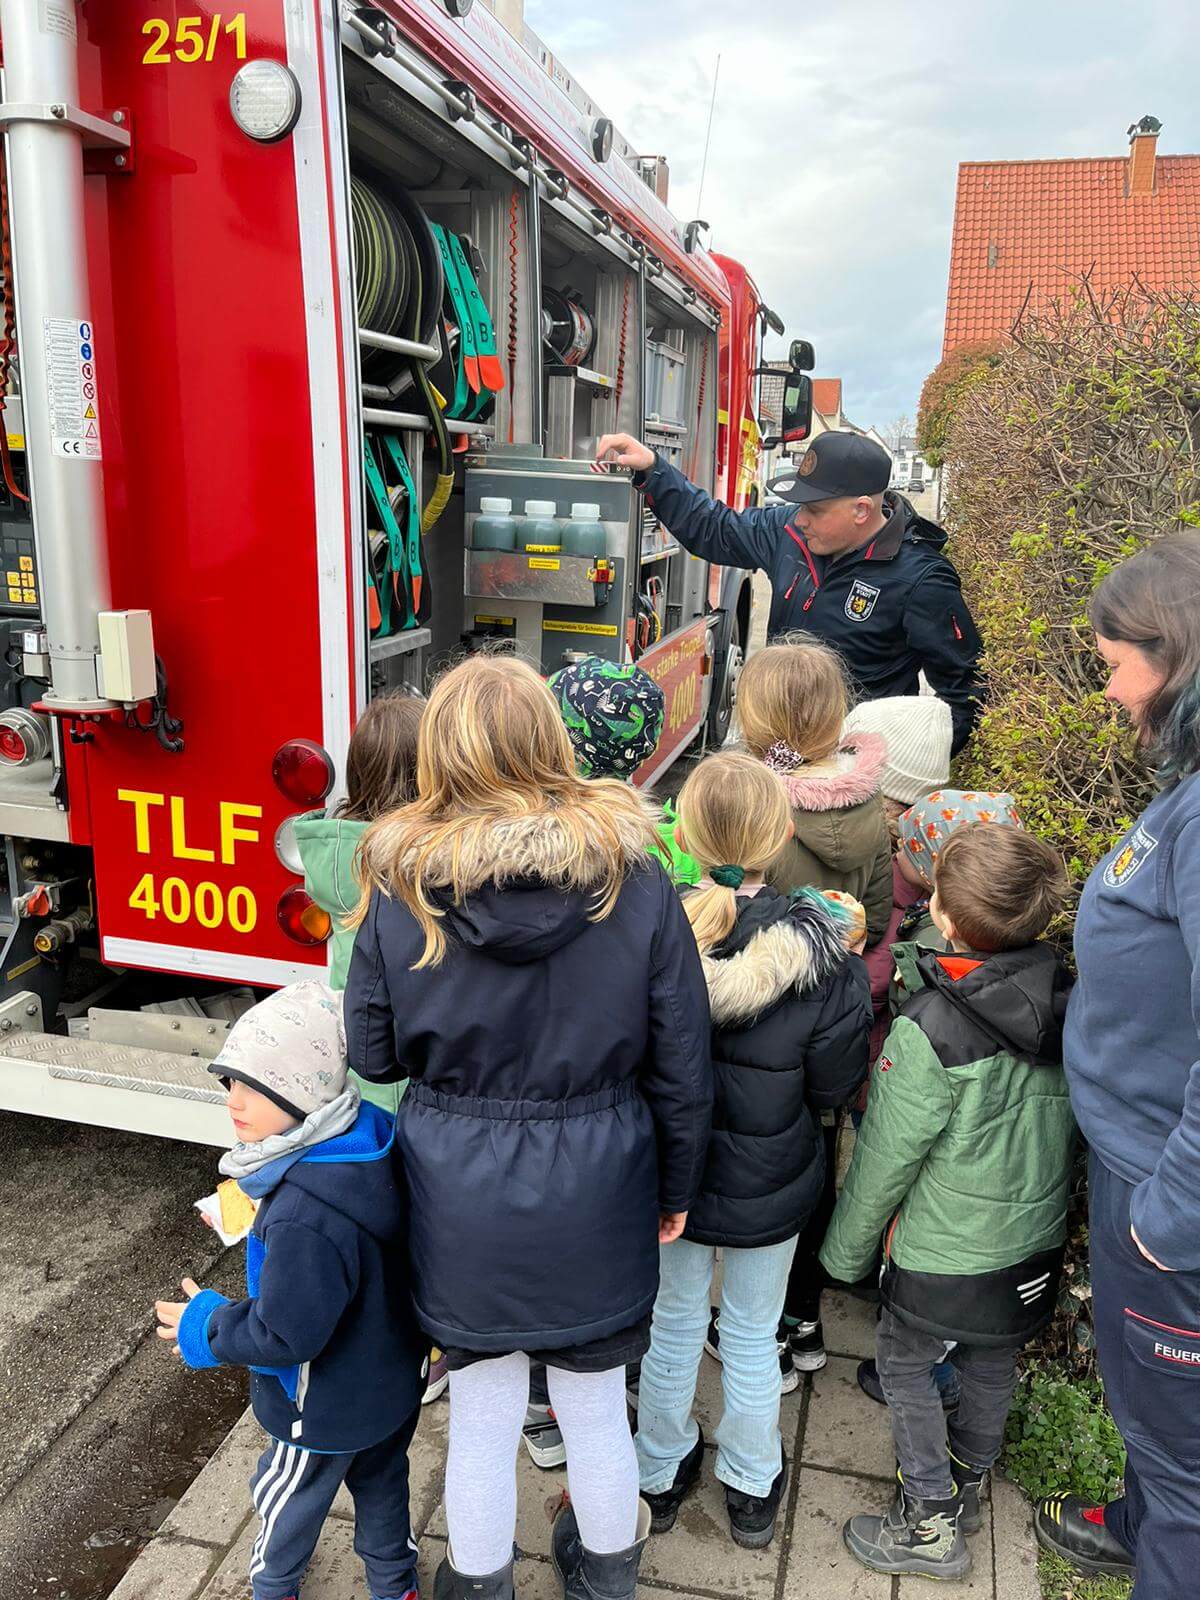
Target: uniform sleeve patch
<point x="1129" y="857"/>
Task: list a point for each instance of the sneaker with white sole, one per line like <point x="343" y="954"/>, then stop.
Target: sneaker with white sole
<point x="806" y="1344"/>
<point x="789" y="1378"/>
<point x="543" y="1438"/>
<point x="437" y="1377"/>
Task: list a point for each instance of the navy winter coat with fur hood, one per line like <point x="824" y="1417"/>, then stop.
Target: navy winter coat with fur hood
<point x="791" y="1015"/>
<point x="560" y="1088"/>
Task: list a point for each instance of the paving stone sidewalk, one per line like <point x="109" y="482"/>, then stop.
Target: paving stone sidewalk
<point x="842" y="1463"/>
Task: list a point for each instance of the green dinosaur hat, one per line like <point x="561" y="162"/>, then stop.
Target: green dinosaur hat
<point x="613" y="715"/>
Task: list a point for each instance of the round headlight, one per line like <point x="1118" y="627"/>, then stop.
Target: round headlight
<point x="265" y="100"/>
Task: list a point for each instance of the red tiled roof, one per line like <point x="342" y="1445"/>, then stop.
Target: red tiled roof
<point x="1047" y="223"/>
<point x="827" y="396"/>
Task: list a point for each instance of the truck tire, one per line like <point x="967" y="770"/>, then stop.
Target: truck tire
<point x="728" y="668"/>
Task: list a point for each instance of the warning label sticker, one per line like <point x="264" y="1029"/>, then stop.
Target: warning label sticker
<point x="607" y="629"/>
<point x="57" y="17"/>
<point x="71" y="388"/>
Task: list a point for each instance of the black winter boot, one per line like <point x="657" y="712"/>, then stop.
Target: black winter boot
<point x="1078" y="1533"/>
<point x="664" y="1507"/>
<point x="969" y="1482"/>
<point x="752" y="1517"/>
<point x="452" y="1585"/>
<point x="587" y="1576"/>
<point x="917" y="1537"/>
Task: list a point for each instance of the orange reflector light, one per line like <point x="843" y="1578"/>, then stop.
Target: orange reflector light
<point x="301" y="918"/>
<point x="302" y="771"/>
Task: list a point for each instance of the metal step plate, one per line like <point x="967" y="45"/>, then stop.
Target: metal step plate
<point x="113" y="1086"/>
<point x="117" y="1066"/>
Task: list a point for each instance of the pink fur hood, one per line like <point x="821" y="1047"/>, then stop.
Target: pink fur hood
<point x="860" y="760"/>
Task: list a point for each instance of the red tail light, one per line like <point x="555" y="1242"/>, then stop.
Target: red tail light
<point x="301" y="918"/>
<point x="302" y="771"/>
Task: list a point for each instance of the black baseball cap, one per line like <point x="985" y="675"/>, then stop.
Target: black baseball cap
<point x="836" y="466"/>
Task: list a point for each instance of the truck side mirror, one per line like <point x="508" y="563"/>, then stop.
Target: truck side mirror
<point x="797" y="408"/>
<point x="801" y="356"/>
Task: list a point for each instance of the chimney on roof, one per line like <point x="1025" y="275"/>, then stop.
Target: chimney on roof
<point x="1143" y="144"/>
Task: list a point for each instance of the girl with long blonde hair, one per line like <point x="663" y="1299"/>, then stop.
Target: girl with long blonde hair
<point x="524" y="962"/>
<point x="791" y="1013"/>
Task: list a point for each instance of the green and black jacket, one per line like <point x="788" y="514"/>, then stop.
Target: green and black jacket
<point x="964" y="1155"/>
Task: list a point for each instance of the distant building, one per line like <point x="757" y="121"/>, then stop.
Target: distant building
<point x="915" y="478"/>
<point x="909" y="467"/>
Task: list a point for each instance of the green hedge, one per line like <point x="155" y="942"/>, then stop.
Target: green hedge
<point x="1073" y="450"/>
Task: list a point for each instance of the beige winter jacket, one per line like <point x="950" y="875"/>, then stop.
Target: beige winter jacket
<point x="841" y="839"/>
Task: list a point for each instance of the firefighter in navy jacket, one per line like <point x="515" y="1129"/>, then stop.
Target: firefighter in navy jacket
<point x="848" y="560"/>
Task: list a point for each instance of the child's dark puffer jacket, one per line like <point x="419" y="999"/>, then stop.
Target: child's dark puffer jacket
<point x="791" y="1016"/>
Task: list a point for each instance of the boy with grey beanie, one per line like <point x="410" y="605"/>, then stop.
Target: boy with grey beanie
<point x="327" y="1328"/>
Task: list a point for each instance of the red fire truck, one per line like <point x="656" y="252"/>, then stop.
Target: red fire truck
<point x="313" y="313"/>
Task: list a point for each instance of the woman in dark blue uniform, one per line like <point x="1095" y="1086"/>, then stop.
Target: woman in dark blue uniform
<point x="1133" y="1061"/>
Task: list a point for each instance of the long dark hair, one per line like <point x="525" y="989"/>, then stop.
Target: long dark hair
<point x="381" y="763"/>
<point x="1153" y="601"/>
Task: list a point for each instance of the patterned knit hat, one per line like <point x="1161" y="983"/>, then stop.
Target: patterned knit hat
<point x="613" y="715"/>
<point x="925" y="826"/>
<point x="917" y="729"/>
<point x="291" y="1047"/>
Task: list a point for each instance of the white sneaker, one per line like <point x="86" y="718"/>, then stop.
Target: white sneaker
<point x="543" y="1438"/>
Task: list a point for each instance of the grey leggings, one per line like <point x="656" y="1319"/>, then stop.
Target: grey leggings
<point x="487" y="1412"/>
<point x="906" y="1359"/>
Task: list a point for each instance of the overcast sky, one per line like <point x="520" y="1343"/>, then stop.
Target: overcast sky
<point x="838" y="133"/>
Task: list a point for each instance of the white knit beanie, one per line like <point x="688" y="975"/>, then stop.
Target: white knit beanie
<point x="918" y="729"/>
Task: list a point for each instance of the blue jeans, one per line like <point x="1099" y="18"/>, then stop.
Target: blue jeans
<point x="748" y="1440"/>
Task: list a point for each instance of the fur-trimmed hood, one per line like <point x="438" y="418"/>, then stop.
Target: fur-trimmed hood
<point x="525" y="885"/>
<point x="778" y="946"/>
<point x="859" y="762"/>
<point x="538" y="847"/>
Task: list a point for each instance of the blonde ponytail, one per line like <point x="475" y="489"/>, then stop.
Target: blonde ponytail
<point x="733" y="814"/>
<point x="712" y="913"/>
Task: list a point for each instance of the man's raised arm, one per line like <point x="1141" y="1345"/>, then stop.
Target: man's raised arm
<point x="702" y="525"/>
